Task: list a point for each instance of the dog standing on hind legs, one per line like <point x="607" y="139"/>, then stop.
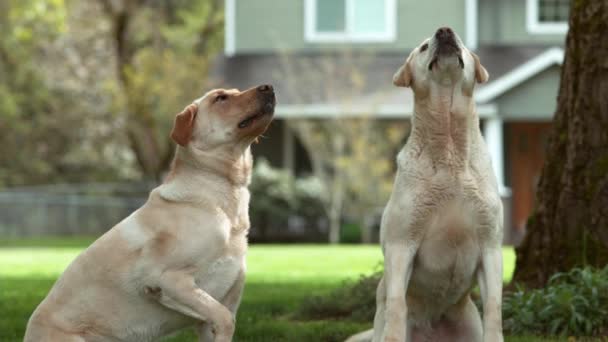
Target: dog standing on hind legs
<point x="442" y="227"/>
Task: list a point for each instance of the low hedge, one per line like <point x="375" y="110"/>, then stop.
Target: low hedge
<point x="574" y="303"/>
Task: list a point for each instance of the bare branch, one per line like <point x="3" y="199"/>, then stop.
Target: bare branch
<point x="107" y="7"/>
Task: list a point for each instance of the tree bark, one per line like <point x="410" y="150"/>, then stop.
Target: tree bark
<point x="569" y="227"/>
<point x="367" y="228"/>
<point x="153" y="152"/>
<point x="140" y="125"/>
<point x="337" y="194"/>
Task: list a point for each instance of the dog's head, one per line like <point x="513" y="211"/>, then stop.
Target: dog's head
<point x="225" y="117"/>
<point x="442" y="59"/>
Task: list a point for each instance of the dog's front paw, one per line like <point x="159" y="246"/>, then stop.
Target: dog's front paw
<point x="223" y="339"/>
<point x="393" y="334"/>
<point x="224" y="336"/>
<point x="223" y="329"/>
<point x="394" y="328"/>
<point x="493" y="337"/>
<point x="392" y="338"/>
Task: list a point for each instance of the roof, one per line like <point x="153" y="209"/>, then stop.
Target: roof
<point x="360" y="83"/>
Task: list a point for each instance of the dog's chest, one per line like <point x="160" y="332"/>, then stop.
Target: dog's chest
<point x="450" y="232"/>
<point x="220" y="275"/>
<point x="461" y="214"/>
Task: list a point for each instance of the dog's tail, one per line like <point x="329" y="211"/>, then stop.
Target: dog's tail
<point x="365" y="336"/>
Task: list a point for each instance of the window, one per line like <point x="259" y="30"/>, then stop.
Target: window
<point x="553" y="11"/>
<point x="547" y="16"/>
<point x="350" y="20"/>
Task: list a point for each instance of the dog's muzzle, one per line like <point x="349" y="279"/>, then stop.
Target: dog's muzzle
<point x="446" y="46"/>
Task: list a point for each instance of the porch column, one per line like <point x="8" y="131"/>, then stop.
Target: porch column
<point x="492" y="128"/>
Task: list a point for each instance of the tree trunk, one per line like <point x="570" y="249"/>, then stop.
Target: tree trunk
<point x="337" y="192"/>
<point x="367" y="227"/>
<point x="570" y="224"/>
<point x="334" y="226"/>
<point x="335" y="211"/>
<point x="151" y="158"/>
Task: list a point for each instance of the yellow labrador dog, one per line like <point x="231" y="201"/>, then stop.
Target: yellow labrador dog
<point x="442" y="227"/>
<point x="180" y="259"/>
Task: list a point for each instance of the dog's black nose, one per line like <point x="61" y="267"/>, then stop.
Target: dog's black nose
<point x="265" y="88"/>
<point x="444" y="32"/>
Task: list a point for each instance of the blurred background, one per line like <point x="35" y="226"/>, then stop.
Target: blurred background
<point x="90" y="88"/>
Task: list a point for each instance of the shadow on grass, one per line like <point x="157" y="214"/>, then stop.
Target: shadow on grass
<point x="18" y="299"/>
<point x="264" y="314"/>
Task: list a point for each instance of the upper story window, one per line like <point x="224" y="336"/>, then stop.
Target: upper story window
<point x="547" y="16"/>
<point x="553" y="11"/>
<point x="350" y="20"/>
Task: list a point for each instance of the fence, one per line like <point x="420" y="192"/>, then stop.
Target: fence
<point x="92" y="209"/>
<point x="88" y="209"/>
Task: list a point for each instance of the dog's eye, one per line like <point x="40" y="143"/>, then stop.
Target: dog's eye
<point x="424" y="47"/>
<point x="222" y="97"/>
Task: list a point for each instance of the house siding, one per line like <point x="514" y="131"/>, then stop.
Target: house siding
<point x="263" y="26"/>
<point x="534" y="100"/>
<point x="503" y="22"/>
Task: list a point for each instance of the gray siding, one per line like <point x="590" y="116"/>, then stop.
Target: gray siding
<point x="503" y="22"/>
<point x="263" y="26"/>
<point x="535" y="99"/>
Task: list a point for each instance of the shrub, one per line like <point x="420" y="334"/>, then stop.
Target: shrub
<point x="272" y="190"/>
<point x="355" y="300"/>
<point x="274" y="186"/>
<point x="350" y="233"/>
<point x="574" y="303"/>
<point x="277" y="196"/>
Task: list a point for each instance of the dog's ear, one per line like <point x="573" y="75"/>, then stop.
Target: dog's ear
<point x="403" y="76"/>
<point x="183" y="125"/>
<point x="481" y="74"/>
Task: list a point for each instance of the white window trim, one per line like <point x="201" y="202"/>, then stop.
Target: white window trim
<point x="535" y="26"/>
<point x="230" y="28"/>
<point x="470" y="9"/>
<point x="471" y="39"/>
<point x="310" y="24"/>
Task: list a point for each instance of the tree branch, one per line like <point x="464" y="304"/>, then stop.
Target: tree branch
<point x="211" y="26"/>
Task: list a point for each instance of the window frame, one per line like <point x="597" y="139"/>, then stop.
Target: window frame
<point x="314" y="36"/>
<point x="535" y="26"/>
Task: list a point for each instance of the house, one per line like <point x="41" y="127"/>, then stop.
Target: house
<point x="520" y="42"/>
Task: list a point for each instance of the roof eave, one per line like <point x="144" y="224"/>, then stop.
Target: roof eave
<point x="520" y="74"/>
<point x="389" y="111"/>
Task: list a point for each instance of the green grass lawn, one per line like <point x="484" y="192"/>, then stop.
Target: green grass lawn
<point x="279" y="279"/>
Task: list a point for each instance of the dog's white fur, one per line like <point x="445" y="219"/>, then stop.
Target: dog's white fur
<point x="180" y="259"/>
<point x="442" y="227"/>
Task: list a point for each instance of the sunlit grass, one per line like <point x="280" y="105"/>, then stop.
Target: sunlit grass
<point x="279" y="278"/>
<point x="285" y="263"/>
